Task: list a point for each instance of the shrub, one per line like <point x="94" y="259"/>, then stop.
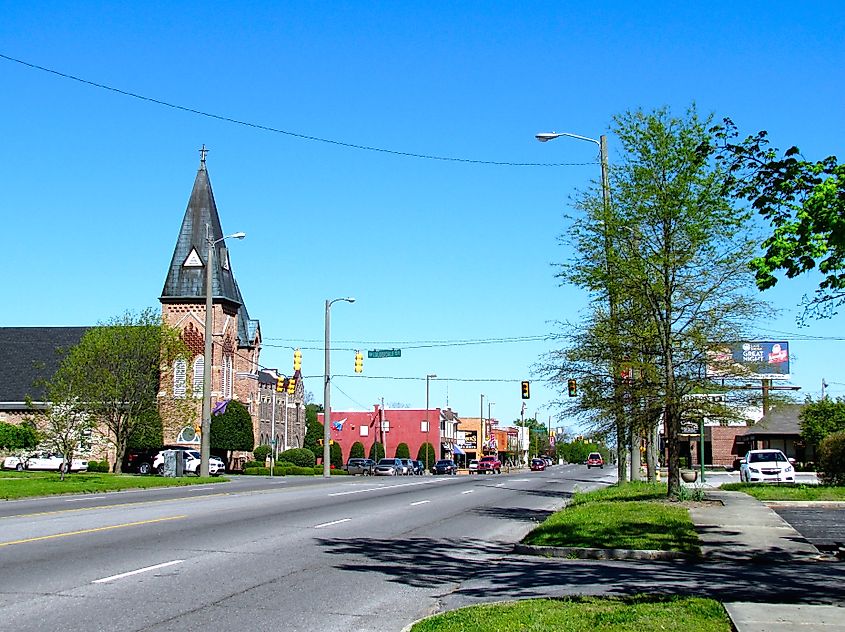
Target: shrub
<point x="333" y="472"/>
<point x="376" y="451"/>
<point x="98" y="466"/>
<point x="254" y="464"/>
<point x="402" y="451"/>
<point x="284" y="464"/>
<point x="17" y="437"/>
<point x="356" y="451"/>
<point x="831" y="457"/>
<point x="302" y="457"/>
<point x="261" y="452"/>
<point x="421" y="454"/>
<point x="256" y="471"/>
<point x="336" y="455"/>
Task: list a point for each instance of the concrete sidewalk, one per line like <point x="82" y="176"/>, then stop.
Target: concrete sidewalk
<point x="737" y="527"/>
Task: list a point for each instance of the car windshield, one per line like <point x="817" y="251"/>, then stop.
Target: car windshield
<point x="761" y="457"/>
<point x="594" y="455"/>
<point x="444" y="463"/>
<point x="387" y="462"/>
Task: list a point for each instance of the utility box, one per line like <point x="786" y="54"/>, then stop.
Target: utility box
<point x="174" y="463"/>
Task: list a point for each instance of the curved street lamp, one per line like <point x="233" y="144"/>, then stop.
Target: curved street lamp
<point x="327" y="377"/>
<point x="205" y="437"/>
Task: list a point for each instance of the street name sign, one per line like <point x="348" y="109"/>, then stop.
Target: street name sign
<point x="384" y="353"/>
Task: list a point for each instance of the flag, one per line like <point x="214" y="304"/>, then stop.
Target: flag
<point x="338" y="425"/>
<point x="220" y="407"/>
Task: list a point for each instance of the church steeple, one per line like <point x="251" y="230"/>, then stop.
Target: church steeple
<point x="185" y="280"/>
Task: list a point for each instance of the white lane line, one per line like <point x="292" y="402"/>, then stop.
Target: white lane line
<point x="140" y="570"/>
<point x="499" y="485"/>
<point x="328" y="524"/>
<point x="520" y="480"/>
<point x="383" y="486"/>
<point x="356" y="491"/>
<point x="420" y="502"/>
<point x="76" y="500"/>
<point x="469" y="491"/>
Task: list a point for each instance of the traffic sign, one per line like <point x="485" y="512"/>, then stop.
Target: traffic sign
<point x="384" y="353"/>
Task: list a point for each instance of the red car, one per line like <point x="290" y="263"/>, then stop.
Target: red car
<point x="538" y="465"/>
<point x="595" y="460"/>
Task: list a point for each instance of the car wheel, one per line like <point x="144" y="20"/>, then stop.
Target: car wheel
<point x="63" y="469"/>
<point x="19" y="467"/>
<point x="589" y="466"/>
<point x="160" y="470"/>
<point x="144" y="468"/>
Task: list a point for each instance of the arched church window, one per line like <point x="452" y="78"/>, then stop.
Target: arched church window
<point x="226" y="376"/>
<point x="188" y="435"/>
<point x="199" y="366"/>
<point x="180" y="368"/>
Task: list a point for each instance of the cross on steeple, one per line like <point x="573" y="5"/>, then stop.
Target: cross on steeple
<point x="203" y="152"/>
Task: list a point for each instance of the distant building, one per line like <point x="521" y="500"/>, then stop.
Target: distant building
<point x="288" y="421"/>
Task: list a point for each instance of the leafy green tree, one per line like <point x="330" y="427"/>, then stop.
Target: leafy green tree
<point x="314" y="429"/>
<point x="666" y="268"/>
<point x="302" y="457"/>
<point x="15" y="437"/>
<point x="232" y="430"/>
<point x="402" y="451"/>
<point x="803" y="200"/>
<point x="112" y="374"/>
<point x="821" y="418"/>
<point x="426" y="454"/>
<point x="832" y="459"/>
<point x="336" y="455"/>
<point x="376" y="451"/>
<point x="356" y="451"/>
<point x="148" y="432"/>
<point x="261" y="452"/>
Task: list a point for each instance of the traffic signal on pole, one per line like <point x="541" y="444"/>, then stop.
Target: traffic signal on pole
<point x="526" y="389"/>
<point x="291" y="386"/>
<point x="280" y="384"/>
<point x="573" y="388"/>
<point x="320" y="441"/>
<point x="297" y="360"/>
<point x="359" y="362"/>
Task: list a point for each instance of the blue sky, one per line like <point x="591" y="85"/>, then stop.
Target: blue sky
<point x="95" y="183"/>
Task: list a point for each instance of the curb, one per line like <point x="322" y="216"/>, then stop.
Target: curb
<point x="583" y="553"/>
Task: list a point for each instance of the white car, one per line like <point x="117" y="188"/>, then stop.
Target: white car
<point x="192" y="463"/>
<point x="766" y="466"/>
<point x="42" y="460"/>
<point x="473" y="466"/>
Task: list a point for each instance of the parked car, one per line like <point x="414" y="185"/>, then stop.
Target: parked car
<point x="419" y="468"/>
<point x="192" y="462"/>
<point x="389" y="467"/>
<point x="490" y="464"/>
<point x="548" y="461"/>
<point x="141" y="461"/>
<point x="407" y="467"/>
<point x="444" y="466"/>
<point x="43" y="460"/>
<point x="595" y="460"/>
<point x="766" y="466"/>
<point x="473" y="466"/>
<point x="365" y="467"/>
<point x="538" y="465"/>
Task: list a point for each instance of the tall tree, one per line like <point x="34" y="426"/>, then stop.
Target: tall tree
<point x="113" y="373"/>
<point x="232" y="430"/>
<point x="803" y="200"/>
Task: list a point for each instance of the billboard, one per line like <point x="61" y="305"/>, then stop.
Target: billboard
<point x="755" y="360"/>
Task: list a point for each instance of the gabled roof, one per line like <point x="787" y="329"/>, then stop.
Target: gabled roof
<point x="186" y="275"/>
<point x="782" y="420"/>
<point x="30" y="354"/>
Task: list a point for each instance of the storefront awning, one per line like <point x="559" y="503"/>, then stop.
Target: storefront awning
<point x="457" y="450"/>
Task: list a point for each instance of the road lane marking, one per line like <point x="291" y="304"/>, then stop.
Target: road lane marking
<point x="382" y="487"/>
<point x="356" y="491"/>
<point x="140" y="570"/>
<point x="499" y="485"/>
<point x="94" y="530"/>
<point x="76" y="500"/>
<point x="469" y="491"/>
<point x="420" y="502"/>
<point x="328" y="524"/>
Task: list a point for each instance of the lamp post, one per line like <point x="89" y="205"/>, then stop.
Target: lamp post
<point x="427" y="423"/>
<point x="611" y="296"/>
<point x="490" y="421"/>
<point x="205" y="445"/>
<point x="327" y="407"/>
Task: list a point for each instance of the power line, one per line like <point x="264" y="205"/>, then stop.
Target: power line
<point x="275" y="130"/>
<point x="432" y="344"/>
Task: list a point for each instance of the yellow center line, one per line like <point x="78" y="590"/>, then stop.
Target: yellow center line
<point x="94" y="530"/>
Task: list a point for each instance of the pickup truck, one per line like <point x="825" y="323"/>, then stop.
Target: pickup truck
<point x="489" y="464"/>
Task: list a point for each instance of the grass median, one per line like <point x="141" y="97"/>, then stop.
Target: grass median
<point x="788" y="491"/>
<point x="641" y="613"/>
<point x="28" y="484"/>
<point x="634" y="516"/>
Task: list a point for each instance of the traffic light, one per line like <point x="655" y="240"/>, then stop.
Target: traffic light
<point x="280" y="384"/>
<point x="359" y="362"/>
<point x="526" y="389"/>
<point x="291" y="386"/>
<point x="297" y="360"/>
<point x="573" y="388"/>
<point x="320" y="441"/>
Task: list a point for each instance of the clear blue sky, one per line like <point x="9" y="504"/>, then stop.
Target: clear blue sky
<point x="95" y="183"/>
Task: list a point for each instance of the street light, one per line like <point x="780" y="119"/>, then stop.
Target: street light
<point x="205" y="437"/>
<point x="427" y="423"/>
<point x="327" y="408"/>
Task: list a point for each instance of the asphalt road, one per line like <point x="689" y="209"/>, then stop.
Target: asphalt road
<point x="304" y="554"/>
<point x="823" y="525"/>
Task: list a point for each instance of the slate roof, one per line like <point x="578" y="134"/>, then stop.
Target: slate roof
<point x="782" y="420"/>
<point x="29" y="354"/>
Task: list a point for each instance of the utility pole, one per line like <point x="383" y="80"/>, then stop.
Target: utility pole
<point x="273" y="431"/>
<point x="481" y="429"/>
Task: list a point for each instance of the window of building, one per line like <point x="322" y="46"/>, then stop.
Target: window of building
<point x="188" y="435"/>
<point x="226" y="377"/>
<point x="180" y="368"/>
<point x="199" y="367"/>
<point x="365" y="431"/>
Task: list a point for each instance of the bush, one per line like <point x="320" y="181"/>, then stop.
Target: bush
<point x="261" y="452"/>
<point x="302" y="457"/>
<point x="356" y="451"/>
<point x="402" y="451"/>
<point x="376" y="451"/>
<point x="254" y="464"/>
<point x="421" y="454"/>
<point x="98" y="466"/>
<point x="831" y="455"/>
<point x="257" y="471"/>
<point x="333" y="472"/>
<point x="336" y="455"/>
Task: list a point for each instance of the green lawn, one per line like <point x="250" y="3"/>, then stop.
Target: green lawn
<point x="636" y="614"/>
<point x="785" y="491"/>
<point x="25" y="484"/>
<point x="630" y="516"/>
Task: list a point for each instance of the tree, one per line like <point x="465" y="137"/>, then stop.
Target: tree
<point x="232" y="430"/>
<point x="17" y="436"/>
<point x="113" y="375"/>
<point x="804" y="201"/>
<point x="821" y="418"/>
<point x="336" y="455"/>
<point x="313" y="429"/>
<point x="426" y="454"/>
<point x="402" y="451"/>
<point x="65" y="426"/>
<point x="356" y="451"/>
<point x="376" y="451"/>
<point x="672" y="250"/>
<point x="148" y="432"/>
